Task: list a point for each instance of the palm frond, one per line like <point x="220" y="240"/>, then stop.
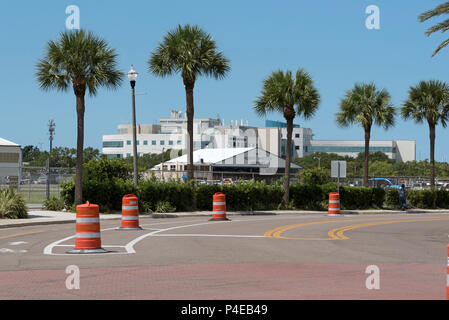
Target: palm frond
<point x="282" y="91"/>
<point x="82" y="56"/>
<point x="191" y="51"/>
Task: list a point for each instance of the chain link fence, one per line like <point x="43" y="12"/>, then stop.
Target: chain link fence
<point x="33" y="182"/>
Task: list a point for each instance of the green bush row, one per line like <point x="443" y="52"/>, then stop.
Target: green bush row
<point x="425" y="199"/>
<point x="245" y="196"/>
<point x="316" y="197"/>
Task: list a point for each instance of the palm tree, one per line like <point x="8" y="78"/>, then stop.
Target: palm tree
<point x="428" y="101"/>
<point x="83" y="61"/>
<point x="291" y="96"/>
<point x="366" y="106"/>
<point x="192" y="52"/>
<point x="442" y="26"/>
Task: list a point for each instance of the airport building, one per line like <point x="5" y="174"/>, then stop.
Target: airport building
<point x="209" y="133"/>
<point x="10" y="162"/>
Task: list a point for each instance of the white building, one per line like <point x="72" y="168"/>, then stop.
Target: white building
<point x="232" y="163"/>
<point x="398" y="150"/>
<point x="171" y="133"/>
<point x="10" y="162"/>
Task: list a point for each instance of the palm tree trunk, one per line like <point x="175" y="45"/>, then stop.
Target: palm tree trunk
<point x="432" y="154"/>
<point x="190" y="114"/>
<point x="80" y="107"/>
<point x="366" y="160"/>
<point x="289" y="115"/>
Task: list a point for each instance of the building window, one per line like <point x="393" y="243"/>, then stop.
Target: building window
<point x="112" y="144"/>
<point x="114" y="156"/>
<point x="9" y="157"/>
<point x="173" y="168"/>
<point x="297" y="135"/>
<point x="170" y="142"/>
<point x="128" y="155"/>
<point x="137" y="142"/>
<point x="162" y="142"/>
<point x="128" y="142"/>
<point x="178" y="142"/>
<point x="335" y="149"/>
<point x="296" y="147"/>
<point x="153" y="142"/>
<point x="145" y="142"/>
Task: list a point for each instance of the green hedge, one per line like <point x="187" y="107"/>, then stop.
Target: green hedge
<point x="244" y="196"/>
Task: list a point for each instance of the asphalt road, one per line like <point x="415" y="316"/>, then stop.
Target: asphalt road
<point x="250" y="257"/>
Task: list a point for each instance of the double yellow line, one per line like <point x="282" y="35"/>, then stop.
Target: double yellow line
<point x="338" y="233"/>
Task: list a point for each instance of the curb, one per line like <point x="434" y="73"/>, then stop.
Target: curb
<point x="236" y="213"/>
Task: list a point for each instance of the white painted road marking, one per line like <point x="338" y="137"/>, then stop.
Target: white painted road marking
<point x="17" y="243"/>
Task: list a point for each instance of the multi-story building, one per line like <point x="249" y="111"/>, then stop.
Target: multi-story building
<point x="171" y="133"/>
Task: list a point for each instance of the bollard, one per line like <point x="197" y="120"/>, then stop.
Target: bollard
<point x="334" y="204"/>
<point x="88" y="237"/>
<point x="130" y="213"/>
<point x="219" y="207"/>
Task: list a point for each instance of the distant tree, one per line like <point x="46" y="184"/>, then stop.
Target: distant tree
<point x="29" y="153"/>
<point x="428" y="102"/>
<point x="366" y="106"/>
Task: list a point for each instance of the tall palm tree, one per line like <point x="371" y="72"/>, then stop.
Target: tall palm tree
<point x="428" y="101"/>
<point x="442" y="26"/>
<point x="192" y="52"/>
<point x="366" y="106"/>
<point x="83" y="61"/>
<point x="292" y="96"/>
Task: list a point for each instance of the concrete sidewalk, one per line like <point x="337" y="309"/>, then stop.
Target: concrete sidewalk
<point x="42" y="217"/>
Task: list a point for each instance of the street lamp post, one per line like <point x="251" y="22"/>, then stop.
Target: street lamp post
<point x="132" y="76"/>
<point x="51" y="131"/>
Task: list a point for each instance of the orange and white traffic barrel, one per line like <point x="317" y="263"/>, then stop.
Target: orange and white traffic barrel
<point x="334" y="204"/>
<point x="447" y="275"/>
<point x="219" y="207"/>
<point x="88" y="237"/>
<point x="130" y="213"/>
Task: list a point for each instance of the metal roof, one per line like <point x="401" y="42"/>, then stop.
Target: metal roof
<point x="211" y="155"/>
<point x="4" y="142"/>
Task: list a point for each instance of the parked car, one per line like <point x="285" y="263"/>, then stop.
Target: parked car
<point x="383" y="183"/>
<point x="41" y="180"/>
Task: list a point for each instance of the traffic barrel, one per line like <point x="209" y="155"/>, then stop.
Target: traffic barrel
<point x="219" y="207"/>
<point x="130" y="213"/>
<point x="447" y="275"/>
<point x="334" y="204"/>
<point x="88" y="237"/>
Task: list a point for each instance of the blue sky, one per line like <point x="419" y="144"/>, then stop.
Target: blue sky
<point x="326" y="37"/>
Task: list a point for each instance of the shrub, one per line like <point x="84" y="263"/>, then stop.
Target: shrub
<point x="54" y="204"/>
<point x="392" y="199"/>
<point x="442" y="200"/>
<point x="425" y="199"/>
<point x="314" y="176"/>
<point x="378" y="199"/>
<point x="12" y="205"/>
<point x="164" y="207"/>
<point x="308" y="197"/>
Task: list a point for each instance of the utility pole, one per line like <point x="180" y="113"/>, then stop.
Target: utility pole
<point x="51" y="131"/>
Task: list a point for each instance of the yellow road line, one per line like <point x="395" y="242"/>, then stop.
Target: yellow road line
<point x="338" y="233"/>
<point x="21" y="234"/>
